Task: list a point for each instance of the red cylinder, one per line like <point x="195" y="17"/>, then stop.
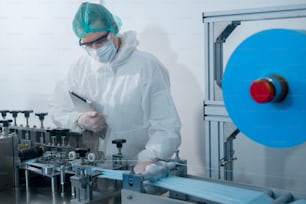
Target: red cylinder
<point x="262" y="91"/>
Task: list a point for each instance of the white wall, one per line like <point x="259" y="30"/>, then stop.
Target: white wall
<point x="37" y="46"/>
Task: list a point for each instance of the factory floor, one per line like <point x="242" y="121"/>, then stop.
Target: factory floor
<point x="40" y="192"/>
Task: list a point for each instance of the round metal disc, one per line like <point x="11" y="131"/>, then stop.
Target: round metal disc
<point x="273" y="51"/>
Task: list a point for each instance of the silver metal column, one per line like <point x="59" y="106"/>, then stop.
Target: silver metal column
<point x="7" y="167"/>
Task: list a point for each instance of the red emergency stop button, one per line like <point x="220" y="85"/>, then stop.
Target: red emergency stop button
<point x="262" y="91"/>
<point x="272" y="88"/>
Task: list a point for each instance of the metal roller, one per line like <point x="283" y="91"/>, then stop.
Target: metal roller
<point x="30" y="153"/>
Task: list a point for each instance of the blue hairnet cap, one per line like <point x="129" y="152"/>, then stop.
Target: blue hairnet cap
<point x="92" y="17"/>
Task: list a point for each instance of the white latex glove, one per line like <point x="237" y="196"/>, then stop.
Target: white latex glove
<point x="140" y="167"/>
<point x="153" y="171"/>
<point x="92" y="120"/>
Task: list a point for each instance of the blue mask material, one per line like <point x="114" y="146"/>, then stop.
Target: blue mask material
<point x="104" y="54"/>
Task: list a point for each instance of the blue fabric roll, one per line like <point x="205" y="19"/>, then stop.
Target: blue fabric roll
<point x="273" y="51"/>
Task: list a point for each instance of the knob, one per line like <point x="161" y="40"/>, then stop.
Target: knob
<point x="6" y="123"/>
<point x="27" y="113"/>
<point x="3" y="113"/>
<point x="272" y="88"/>
<point x="119" y="142"/>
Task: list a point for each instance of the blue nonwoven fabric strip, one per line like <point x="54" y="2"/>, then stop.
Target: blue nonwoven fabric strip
<point x="106" y="173"/>
<point x="201" y="189"/>
<point x="213" y="191"/>
<point x="30" y="161"/>
<point x="299" y="202"/>
<point x="198" y="188"/>
<point x="110" y="174"/>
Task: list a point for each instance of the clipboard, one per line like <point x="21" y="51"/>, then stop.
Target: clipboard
<point x="81" y="103"/>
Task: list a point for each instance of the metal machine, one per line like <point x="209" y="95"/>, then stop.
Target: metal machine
<point x="62" y="157"/>
<point x="66" y="164"/>
<point x="8" y="156"/>
<point x="58" y="166"/>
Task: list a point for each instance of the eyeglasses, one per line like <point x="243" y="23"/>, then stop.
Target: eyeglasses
<point x="98" y="41"/>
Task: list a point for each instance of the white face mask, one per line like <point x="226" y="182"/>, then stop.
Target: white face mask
<point x="104" y="54"/>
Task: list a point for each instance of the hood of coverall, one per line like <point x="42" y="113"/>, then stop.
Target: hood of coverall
<point x="128" y="45"/>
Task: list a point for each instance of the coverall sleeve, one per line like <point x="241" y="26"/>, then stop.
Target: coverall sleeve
<point x="61" y="108"/>
<point x="160" y="114"/>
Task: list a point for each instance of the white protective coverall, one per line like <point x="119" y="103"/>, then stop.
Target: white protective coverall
<point x="133" y="94"/>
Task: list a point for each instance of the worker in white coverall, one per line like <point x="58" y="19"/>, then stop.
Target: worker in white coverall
<point x="129" y="88"/>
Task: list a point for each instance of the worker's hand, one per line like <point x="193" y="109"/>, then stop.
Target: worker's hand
<point x="92" y="120"/>
<point x="140" y="167"/>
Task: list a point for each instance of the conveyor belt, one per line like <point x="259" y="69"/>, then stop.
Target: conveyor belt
<point x="213" y="191"/>
<point x="106" y="173"/>
<point x="206" y="190"/>
<point x="110" y="174"/>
